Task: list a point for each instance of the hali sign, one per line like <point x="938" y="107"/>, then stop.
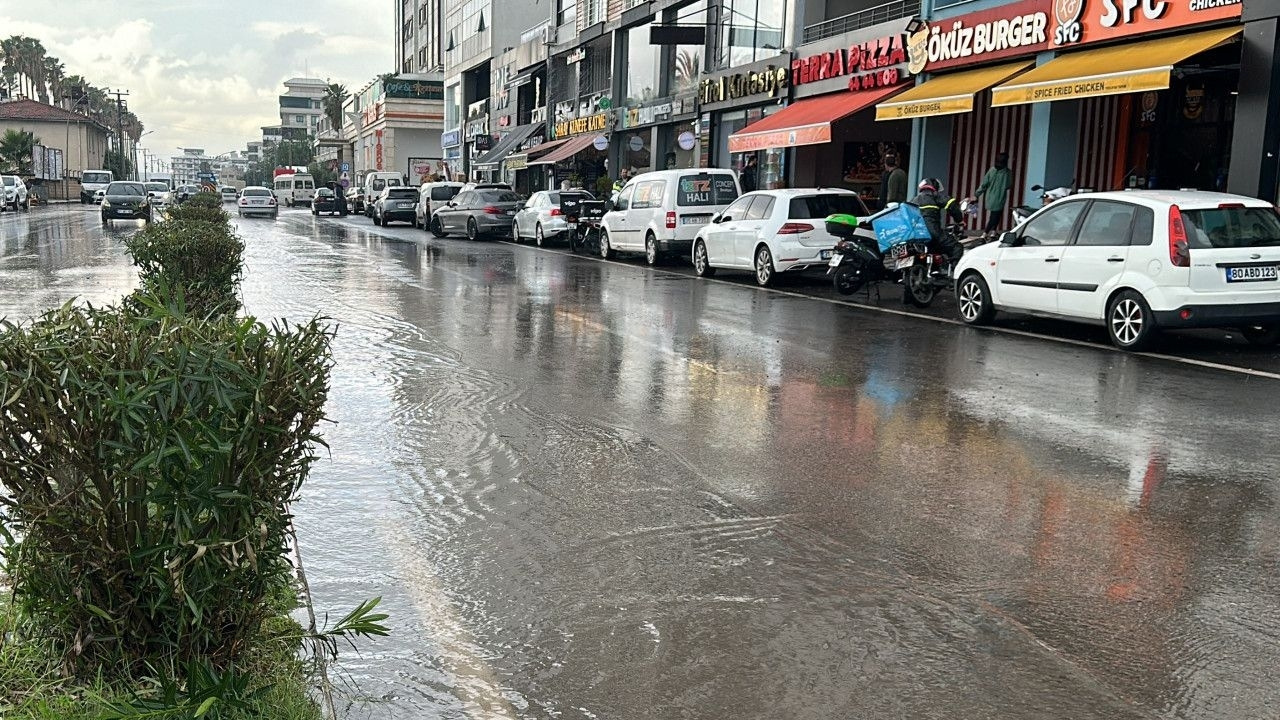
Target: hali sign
<point x="591" y="123"/>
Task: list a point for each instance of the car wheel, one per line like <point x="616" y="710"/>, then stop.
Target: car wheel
<point x="606" y="250"/>
<point x="539" y="238"/>
<point x="701" y="263"/>
<point x="764" y="266"/>
<point x="436" y="228"/>
<point x="473" y="230"/>
<point x="1261" y="335"/>
<point x="275" y="214"/>
<point x="973" y="298"/>
<point x="651" y="255"/>
<point x="1129" y="321"/>
<point x="515" y="232"/>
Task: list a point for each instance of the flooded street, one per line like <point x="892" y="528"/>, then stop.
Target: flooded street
<point x="591" y="490"/>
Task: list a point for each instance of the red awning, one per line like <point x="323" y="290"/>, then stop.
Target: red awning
<point x="806" y="122"/>
<point x="571" y="147"/>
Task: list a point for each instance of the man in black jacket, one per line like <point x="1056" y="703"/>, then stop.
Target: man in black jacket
<point x="938" y="208"/>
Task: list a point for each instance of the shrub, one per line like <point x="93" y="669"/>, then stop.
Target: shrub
<point x="604" y="187"/>
<point x="198" y="262"/>
<point x="204" y="199"/>
<point x="202" y="213"/>
<point x="147" y="462"/>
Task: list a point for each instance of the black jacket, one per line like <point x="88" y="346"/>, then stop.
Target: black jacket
<point x="934" y="206"/>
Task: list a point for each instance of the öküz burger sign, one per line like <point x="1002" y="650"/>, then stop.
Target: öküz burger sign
<point x="1015" y="29"/>
<point x="874" y="64"/>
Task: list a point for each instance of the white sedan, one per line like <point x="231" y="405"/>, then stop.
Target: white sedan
<point x="773" y="231"/>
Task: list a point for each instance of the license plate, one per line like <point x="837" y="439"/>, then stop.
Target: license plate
<point x="404" y="205"/>
<point x="694" y="220"/>
<point x="904" y="262"/>
<point x="835" y="259"/>
<point x="824" y="255"/>
<point x="1255" y="273"/>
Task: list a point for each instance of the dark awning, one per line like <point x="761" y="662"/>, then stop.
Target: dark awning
<point x="509" y="142"/>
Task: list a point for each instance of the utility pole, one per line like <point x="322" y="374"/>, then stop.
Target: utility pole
<point x="120" y="96"/>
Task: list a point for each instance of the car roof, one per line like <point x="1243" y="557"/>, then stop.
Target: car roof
<point x="801" y="192"/>
<point x="256" y="187"/>
<point x="1164" y="198"/>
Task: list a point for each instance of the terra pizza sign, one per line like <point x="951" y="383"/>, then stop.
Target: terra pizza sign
<point x="869" y="65"/>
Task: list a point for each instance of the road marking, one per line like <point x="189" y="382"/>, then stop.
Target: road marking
<point x="1207" y="364"/>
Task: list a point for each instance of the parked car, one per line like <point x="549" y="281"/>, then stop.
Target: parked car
<point x="124" y="200"/>
<point x="258" y="200"/>
<point x="394" y="204"/>
<point x="161" y="195"/>
<point x="326" y="201"/>
<point x="771" y="232"/>
<point x="375" y="183"/>
<point x="477" y="213"/>
<point x="432" y="196"/>
<point x="487" y="186"/>
<point x="228" y="194"/>
<point x="92" y="181"/>
<point x="1136" y="262"/>
<point x="541" y="219"/>
<point x="16" y="195"/>
<point x="659" y="213"/>
<point x="355" y="199"/>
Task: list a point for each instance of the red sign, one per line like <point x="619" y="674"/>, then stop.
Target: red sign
<point x="868" y="57"/>
<point x="377" y="150"/>
<point x="1087" y="21"/>
<point x="1017" y="29"/>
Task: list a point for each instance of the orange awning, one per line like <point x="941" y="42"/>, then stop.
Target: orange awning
<point x="806" y="122"/>
<point x="571" y="147"/>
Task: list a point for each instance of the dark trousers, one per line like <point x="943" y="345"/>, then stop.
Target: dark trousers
<point x="994" y="217"/>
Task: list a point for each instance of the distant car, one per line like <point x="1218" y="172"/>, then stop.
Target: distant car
<point x="355" y="199"/>
<point x="229" y="194"/>
<point x="16" y="195"/>
<point x="477" y="213"/>
<point x="431" y="196"/>
<point x="126" y="201"/>
<point x="184" y="193"/>
<point x="659" y="213"/>
<point x="161" y="195"/>
<point x="771" y="232"/>
<point x="326" y="201"/>
<point x="395" y="203"/>
<point x="93" y="181"/>
<point x="541" y="219"/>
<point x="1136" y="262"/>
<point x="257" y="200"/>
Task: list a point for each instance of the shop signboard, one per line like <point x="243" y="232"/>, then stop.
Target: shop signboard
<point x="596" y="123"/>
<point x="762" y="82"/>
<point x="415" y="89"/>
<point x="452" y="138"/>
<point x="1089" y="21"/>
<point x="1020" y="28"/>
<point x="645" y="114"/>
<point x="865" y="59"/>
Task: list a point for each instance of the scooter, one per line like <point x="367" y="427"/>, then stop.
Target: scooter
<point x="1022" y="212"/>
<point x="858" y="263"/>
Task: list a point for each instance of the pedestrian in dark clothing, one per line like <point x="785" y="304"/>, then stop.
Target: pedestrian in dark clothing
<point x="994" y="192"/>
<point x="748" y="175"/>
<point x="895" y="181"/>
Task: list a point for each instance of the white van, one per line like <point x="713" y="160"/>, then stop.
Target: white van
<point x="91" y="182"/>
<point x="375" y="183"/>
<point x="295" y="189"/>
<point x="660" y="213"/>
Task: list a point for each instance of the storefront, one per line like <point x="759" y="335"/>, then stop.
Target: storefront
<point x="730" y="101"/>
<point x="488" y="166"/>
<point x="515" y="167"/>
<point x="477" y="137"/>
<point x="658" y="135"/>
<point x="577" y="152"/>
<point x="451" y="145"/>
<point x="1150" y="103"/>
<point x="834" y="84"/>
<point x="1255" y="154"/>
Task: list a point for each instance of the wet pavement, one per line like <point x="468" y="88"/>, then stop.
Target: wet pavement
<point x="592" y="490"/>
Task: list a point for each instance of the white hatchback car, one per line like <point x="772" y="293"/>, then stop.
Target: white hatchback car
<point x="659" y="213"/>
<point x="773" y="231"/>
<point x="1136" y="262"/>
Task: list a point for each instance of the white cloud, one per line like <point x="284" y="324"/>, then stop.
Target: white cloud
<point x="203" y="73"/>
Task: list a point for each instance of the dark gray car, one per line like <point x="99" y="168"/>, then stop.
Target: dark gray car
<point x="126" y="201"/>
<point x="477" y="213"/>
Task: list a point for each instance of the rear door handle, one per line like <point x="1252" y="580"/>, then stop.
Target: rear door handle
<point x="1051" y="259"/>
<point x="1114" y="259"/>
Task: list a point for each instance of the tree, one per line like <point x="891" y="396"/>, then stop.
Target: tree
<point x="56" y="75"/>
<point x="120" y="164"/>
<point x="322" y="174"/>
<point x="205" y="167"/>
<point x="15" y="151"/>
<point x="334" y="97"/>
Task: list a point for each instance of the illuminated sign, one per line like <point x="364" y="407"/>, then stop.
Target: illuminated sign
<point x="591" y="123"/>
<point x="768" y="82"/>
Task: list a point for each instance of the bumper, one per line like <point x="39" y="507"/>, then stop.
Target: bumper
<point x="677" y="246"/>
<point x="1199" y="316"/>
<point x="256" y="210"/>
<point x="399" y="216"/>
<point x="495" y="224"/>
<point x="125" y="213"/>
<point x="798" y="258"/>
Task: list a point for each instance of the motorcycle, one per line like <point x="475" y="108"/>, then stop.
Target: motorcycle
<point x="1022" y="212"/>
<point x="858" y="263"/>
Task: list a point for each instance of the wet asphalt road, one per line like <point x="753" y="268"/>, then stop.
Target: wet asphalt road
<point x="591" y="490"/>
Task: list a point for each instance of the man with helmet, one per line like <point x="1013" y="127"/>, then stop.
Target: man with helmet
<point x="938" y="208"/>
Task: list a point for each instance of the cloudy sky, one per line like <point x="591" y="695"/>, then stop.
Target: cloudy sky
<point x="207" y="74"/>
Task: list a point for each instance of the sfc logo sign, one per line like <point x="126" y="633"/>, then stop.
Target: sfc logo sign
<point x="1067" y="13"/>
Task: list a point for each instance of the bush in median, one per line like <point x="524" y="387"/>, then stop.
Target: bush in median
<point x="198" y="260"/>
<point x="204" y="199"/>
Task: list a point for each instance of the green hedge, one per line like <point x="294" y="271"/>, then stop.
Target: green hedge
<point x="192" y="262"/>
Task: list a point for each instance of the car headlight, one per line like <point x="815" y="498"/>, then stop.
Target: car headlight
<point x="106" y="203"/>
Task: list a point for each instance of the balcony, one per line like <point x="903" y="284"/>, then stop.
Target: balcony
<point x="861" y="19"/>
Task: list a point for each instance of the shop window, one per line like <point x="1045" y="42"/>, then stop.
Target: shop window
<point x="689" y="60"/>
<point x="643" y="66"/>
<point x="750" y="30"/>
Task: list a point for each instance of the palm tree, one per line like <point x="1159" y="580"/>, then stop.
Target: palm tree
<point x="55" y="74"/>
<point x="11" y="47"/>
<point x="15" y="151"/>
<point x="335" y="95"/>
<point x="35" y="54"/>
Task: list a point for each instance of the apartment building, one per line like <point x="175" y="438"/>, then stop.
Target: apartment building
<point x="300" y="105"/>
<point x="418" y="45"/>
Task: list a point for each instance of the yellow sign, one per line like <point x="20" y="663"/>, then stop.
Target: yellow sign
<point x="924" y="108"/>
<point x="591" y="123"/>
<point x="1112" y="84"/>
<point x="517" y="162"/>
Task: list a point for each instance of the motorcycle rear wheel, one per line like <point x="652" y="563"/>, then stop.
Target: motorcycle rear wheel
<point x="917" y="287"/>
<point x="849" y="279"/>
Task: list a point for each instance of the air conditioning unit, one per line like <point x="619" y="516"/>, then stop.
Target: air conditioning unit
<point x="549" y="35"/>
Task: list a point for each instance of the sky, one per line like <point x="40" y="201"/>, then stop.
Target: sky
<point x="207" y="74"/>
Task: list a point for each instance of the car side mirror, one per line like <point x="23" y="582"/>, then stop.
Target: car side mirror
<point x="1011" y="239"/>
<point x="717" y="219"/>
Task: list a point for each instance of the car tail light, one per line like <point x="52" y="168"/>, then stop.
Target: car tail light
<point x="1179" y="252"/>
<point x="671" y="221"/>
<point x="556" y="212"/>
<point x="492" y="210"/>
<point x="795" y="228"/>
<point x="1230" y="206"/>
<point x="243" y="201"/>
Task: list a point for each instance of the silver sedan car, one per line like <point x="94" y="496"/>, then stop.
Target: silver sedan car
<point x="540" y="218"/>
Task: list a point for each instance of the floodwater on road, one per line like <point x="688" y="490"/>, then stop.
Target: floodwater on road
<point x="589" y="490"/>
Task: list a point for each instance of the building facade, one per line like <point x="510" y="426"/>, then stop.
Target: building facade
<point x="418" y="46"/>
<point x="300" y="105"/>
<point x="83" y="142"/>
<point x="186" y="167"/>
<point x="396" y="124"/>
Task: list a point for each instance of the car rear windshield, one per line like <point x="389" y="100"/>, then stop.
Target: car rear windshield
<point x="256" y="192"/>
<point x="158" y="187"/>
<point x="816" y="207"/>
<point x="706" y="190"/>
<point x="1232" y="227"/>
<point x="444" y="192"/>
<point x="118" y="188"/>
<point x="97" y="177"/>
<point x="324" y="192"/>
<point x="402" y="194"/>
<point x="499" y="196"/>
<point x="8" y="180"/>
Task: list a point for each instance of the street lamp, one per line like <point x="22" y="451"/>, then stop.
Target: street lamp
<point x="137" y="175"/>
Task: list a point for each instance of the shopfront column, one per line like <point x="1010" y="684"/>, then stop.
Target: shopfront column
<point x="931" y="151"/>
<point x="1255" y="147"/>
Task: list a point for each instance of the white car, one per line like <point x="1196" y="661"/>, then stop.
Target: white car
<point x="15" y="193"/>
<point x="257" y="200"/>
<point x="161" y="194"/>
<point x="228" y="194"/>
<point x="659" y="213"/>
<point x="773" y="231"/>
<point x="1137" y="263"/>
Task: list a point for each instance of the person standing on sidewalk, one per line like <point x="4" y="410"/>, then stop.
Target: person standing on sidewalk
<point x="895" y="181"/>
<point x="994" y="192"/>
<point x="747" y="178"/>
